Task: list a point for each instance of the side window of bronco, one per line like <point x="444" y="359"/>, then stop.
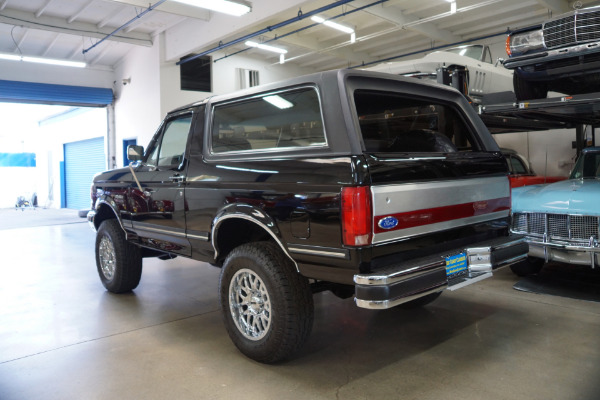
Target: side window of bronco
<point x="290" y="119"/>
<point x="169" y="148"/>
<point x="391" y="122"/>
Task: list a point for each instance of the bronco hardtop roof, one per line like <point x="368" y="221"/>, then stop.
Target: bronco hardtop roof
<point x="319" y="79"/>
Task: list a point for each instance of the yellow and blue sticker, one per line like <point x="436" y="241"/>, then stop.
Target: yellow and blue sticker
<point x="456" y="264"/>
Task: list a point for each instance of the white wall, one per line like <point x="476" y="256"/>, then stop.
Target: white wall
<point x="549" y="152"/>
<point x="155" y="90"/>
<point x="224" y="78"/>
<point x="137" y="105"/>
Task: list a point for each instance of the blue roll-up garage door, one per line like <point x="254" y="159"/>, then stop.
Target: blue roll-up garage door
<point x="44" y="93"/>
<point x="83" y="160"/>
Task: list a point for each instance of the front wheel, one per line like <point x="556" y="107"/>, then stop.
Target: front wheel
<point x="529" y="266"/>
<point x="267" y="306"/>
<point x="119" y="262"/>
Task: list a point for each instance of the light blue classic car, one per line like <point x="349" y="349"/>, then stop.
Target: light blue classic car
<point x="560" y="220"/>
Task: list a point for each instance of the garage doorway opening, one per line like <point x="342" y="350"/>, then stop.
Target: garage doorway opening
<point x="39" y="134"/>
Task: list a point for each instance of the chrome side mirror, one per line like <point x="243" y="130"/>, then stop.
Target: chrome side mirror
<point x="135" y="153"/>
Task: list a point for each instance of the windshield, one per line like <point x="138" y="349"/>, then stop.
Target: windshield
<point x="587" y="166"/>
<point x="471" y="51"/>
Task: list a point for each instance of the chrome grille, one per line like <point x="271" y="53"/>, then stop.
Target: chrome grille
<point x="536" y="223"/>
<point x="579" y="27"/>
<point x="583" y="227"/>
<point x="560" y="226"/>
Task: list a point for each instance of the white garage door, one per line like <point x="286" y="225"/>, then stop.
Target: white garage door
<point x="83" y="160"/>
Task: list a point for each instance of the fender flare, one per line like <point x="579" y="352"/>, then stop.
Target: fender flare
<point x="104" y="202"/>
<point x="252" y="214"/>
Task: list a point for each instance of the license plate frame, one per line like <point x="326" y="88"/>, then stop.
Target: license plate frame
<point x="456" y="264"/>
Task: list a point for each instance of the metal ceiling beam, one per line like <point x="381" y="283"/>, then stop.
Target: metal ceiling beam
<point x="311" y="44"/>
<point x="172" y="8"/>
<point x="165" y="28"/>
<point x="399" y="18"/>
<point x="268" y="29"/>
<point x="78" y="13"/>
<point x="556" y="6"/>
<point x="493" y="13"/>
<point x="50" y="45"/>
<point x="529" y="18"/>
<point x="53" y="24"/>
<point x="132" y="21"/>
<point x="43" y="8"/>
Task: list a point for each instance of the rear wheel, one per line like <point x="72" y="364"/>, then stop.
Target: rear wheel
<point x="529" y="266"/>
<point x="119" y="262"/>
<point x="527" y="90"/>
<point x="267" y="306"/>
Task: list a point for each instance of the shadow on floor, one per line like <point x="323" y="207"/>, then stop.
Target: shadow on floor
<point x="564" y="280"/>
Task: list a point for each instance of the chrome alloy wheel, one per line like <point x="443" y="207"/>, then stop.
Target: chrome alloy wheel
<point x="250" y="304"/>
<point x="106" y="253"/>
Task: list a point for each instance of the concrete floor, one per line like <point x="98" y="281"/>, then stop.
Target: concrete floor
<point x="62" y="336"/>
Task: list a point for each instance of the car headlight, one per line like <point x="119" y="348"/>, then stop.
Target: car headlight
<point x="521" y="43"/>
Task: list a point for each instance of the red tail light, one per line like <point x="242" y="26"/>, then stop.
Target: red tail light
<point x="357" y="216"/>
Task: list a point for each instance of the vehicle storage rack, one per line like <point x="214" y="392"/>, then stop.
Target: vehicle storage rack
<point x="542" y="114"/>
<point x="564" y="112"/>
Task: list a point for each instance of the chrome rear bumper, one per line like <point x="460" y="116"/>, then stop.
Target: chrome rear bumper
<point x="409" y="280"/>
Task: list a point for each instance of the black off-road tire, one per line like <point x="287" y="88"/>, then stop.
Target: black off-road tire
<point x="267" y="305"/>
<point x="529" y="266"/>
<point x="420" y="302"/>
<point x="119" y="262"/>
<point x="526" y="90"/>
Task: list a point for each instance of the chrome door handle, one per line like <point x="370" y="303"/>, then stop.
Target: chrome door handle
<point x="176" y="178"/>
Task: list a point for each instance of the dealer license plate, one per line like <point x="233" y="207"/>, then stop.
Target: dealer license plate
<point x="456" y="264"/>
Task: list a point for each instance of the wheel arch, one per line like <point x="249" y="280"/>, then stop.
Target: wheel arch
<point x="237" y="224"/>
<point x="105" y="209"/>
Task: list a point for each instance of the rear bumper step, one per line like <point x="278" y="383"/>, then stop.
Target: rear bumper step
<point x="406" y="281"/>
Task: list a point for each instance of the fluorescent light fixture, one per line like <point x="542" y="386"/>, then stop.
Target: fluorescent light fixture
<point x="10" y="57"/>
<point x="265" y="47"/>
<point x="278" y="102"/>
<point x="40" y="60"/>
<point x="50" y="61"/>
<point x="222" y="6"/>
<point x="453" y="7"/>
<point x="282" y="59"/>
<point x="332" y="24"/>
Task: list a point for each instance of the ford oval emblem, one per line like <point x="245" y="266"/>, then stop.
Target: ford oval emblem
<point x="388" y="223"/>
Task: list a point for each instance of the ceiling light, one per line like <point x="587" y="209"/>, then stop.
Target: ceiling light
<point x="10" y="57"/>
<point x="222" y="6"/>
<point x="40" y="60"/>
<point x="332" y="24"/>
<point x="278" y="102"/>
<point x="265" y="47"/>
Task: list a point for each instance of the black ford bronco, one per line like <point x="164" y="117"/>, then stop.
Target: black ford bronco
<point x="385" y="188"/>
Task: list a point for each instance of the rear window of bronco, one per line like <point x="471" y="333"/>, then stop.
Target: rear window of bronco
<point x="391" y="122"/>
<point x="290" y="119"/>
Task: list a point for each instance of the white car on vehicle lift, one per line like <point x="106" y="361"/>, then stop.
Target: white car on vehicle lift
<point x="484" y="78"/>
